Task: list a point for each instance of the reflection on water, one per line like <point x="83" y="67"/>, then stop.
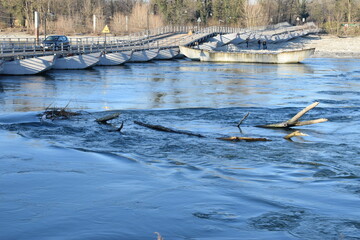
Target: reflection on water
<point x="21" y="92"/>
<point x="241" y="68"/>
<point x="182" y="84"/>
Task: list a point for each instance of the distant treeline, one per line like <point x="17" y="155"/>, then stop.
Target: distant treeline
<point x="77" y="16"/>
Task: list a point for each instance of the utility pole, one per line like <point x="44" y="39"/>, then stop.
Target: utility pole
<point x="94" y="23"/>
<point x="147" y="22"/>
<point x="45" y="16"/>
<point x="36" y="24"/>
<point x="127" y="24"/>
<point x="148" y="26"/>
<point x="349" y="11"/>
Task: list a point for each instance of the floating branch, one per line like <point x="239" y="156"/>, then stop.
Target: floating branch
<point x="66" y="105"/>
<point x="48" y="107"/>
<point x="246" y="139"/>
<point x="104" y="120"/>
<point x="117" y="129"/>
<point x="246" y="115"/>
<point x="121" y="127"/>
<point x="57" y="113"/>
<point x="295" y="134"/>
<point x="166" y="129"/>
<point x="294" y="120"/>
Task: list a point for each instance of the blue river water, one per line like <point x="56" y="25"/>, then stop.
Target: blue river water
<point x="77" y="179"/>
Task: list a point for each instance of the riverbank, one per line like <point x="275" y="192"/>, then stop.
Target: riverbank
<point x="329" y="46"/>
<point x="326" y="46"/>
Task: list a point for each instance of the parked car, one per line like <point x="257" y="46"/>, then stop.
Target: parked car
<point x="56" y="42"/>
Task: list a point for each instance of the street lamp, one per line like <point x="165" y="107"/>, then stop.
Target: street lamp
<point x="147" y="23"/>
<point x="45" y="17"/>
<point x="198" y="23"/>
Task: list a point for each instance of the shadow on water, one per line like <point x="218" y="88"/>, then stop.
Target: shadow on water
<point x="300" y="68"/>
<point x="93" y="72"/>
<point x="1" y="87"/>
<point x="38" y="77"/>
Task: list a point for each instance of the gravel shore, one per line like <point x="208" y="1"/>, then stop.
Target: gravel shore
<point x="328" y="46"/>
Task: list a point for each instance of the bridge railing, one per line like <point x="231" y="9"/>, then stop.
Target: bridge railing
<point x="148" y="38"/>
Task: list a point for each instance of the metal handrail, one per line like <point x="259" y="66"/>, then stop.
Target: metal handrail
<point x="145" y="39"/>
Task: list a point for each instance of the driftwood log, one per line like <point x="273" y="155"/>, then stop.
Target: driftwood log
<point x="246" y="139"/>
<point x="104" y="120"/>
<point x="166" y="129"/>
<point x="294" y="121"/>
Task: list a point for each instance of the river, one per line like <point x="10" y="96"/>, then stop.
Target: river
<point x="77" y="179"/>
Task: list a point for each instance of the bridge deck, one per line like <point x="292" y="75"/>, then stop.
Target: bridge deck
<point x="159" y="41"/>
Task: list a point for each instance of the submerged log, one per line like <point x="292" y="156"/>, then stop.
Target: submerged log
<point x="104" y="120"/>
<point x="166" y="129"/>
<point x="246" y="139"/>
<point x="294" y="121"/>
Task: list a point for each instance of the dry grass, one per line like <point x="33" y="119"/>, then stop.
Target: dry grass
<point x="138" y="20"/>
<point x="254" y="15"/>
<point x="65" y="25"/>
